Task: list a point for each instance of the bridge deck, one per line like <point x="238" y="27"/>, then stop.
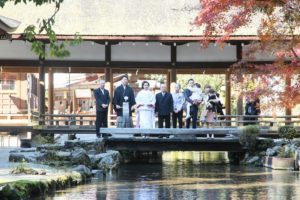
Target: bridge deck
<point x="174" y="144"/>
<point x="266" y="132"/>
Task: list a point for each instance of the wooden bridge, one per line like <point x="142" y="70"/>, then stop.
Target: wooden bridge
<point x="159" y="139"/>
<point x="223" y="137"/>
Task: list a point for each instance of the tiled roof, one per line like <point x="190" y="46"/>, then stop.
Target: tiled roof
<point x="118" y="18"/>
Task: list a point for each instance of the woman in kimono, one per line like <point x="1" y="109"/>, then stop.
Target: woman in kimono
<point x="145" y="104"/>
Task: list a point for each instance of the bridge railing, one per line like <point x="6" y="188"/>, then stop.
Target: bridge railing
<point x="262" y="120"/>
<point x="73" y="119"/>
<point x="221" y="121"/>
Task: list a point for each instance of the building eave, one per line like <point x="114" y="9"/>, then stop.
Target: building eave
<point x="139" y="38"/>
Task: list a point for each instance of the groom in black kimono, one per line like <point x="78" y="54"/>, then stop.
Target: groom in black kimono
<point x="124" y="93"/>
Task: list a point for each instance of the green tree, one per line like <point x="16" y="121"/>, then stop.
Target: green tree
<point x="56" y="48"/>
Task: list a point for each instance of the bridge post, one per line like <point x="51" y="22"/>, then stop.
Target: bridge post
<point x="236" y="157"/>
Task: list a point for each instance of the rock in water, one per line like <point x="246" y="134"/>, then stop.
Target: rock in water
<point x="82" y="169"/>
<point x="270" y="152"/>
<point x="109" y="160"/>
<point x="253" y="160"/>
<point x="80" y="157"/>
<point x="25" y="170"/>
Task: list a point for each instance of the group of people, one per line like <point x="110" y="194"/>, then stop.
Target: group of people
<point x="164" y="104"/>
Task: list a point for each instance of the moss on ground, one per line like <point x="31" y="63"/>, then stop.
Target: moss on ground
<point x="26" y="189"/>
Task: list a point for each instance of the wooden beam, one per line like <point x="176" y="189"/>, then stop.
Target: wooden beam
<point x="107" y="53"/>
<point x="241" y="39"/>
<point x="123" y="64"/>
<point x="203" y="71"/>
<point x="140" y="71"/>
<point x="76" y="70"/>
<point x="158" y="131"/>
<point x="21" y="69"/>
<point x="174" y="144"/>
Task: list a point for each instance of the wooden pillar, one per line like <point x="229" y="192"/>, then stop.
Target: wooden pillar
<point x="108" y="74"/>
<point x="50" y="93"/>
<point x="240" y="107"/>
<point x="168" y="83"/>
<point x="42" y="88"/>
<point x="109" y="86"/>
<point x="288" y="109"/>
<point x="173" y="80"/>
<point x="172" y="72"/>
<point x="228" y="96"/>
<point x="228" y="93"/>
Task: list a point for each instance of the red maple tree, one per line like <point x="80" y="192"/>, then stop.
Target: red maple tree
<point x="278" y="32"/>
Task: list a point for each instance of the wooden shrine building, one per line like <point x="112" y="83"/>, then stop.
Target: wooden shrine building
<point x="122" y="37"/>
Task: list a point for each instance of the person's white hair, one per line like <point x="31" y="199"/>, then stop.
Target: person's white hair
<point x="178" y="85"/>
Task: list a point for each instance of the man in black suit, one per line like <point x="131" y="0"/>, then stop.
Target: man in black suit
<point x="102" y="101"/>
<point x="164" y="107"/>
<point x="194" y="105"/>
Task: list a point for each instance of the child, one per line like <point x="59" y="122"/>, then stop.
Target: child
<point x="196" y="96"/>
<point x="211" y="107"/>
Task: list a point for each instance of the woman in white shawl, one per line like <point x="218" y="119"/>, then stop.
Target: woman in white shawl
<point x="145" y="104"/>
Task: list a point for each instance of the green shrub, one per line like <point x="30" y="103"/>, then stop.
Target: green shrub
<point x="264" y="144"/>
<point x="285" y="152"/>
<point x="287" y="132"/>
<point x="248" y="137"/>
<point x="42" y="139"/>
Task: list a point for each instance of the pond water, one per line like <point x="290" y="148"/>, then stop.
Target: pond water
<point x="186" y="176"/>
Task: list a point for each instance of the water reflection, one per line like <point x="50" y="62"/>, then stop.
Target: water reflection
<point x="182" y="179"/>
<point x="196" y="157"/>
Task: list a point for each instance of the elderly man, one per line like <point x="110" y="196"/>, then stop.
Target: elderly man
<point x="178" y="101"/>
<point x="102" y="101"/>
<point x="164" y="107"/>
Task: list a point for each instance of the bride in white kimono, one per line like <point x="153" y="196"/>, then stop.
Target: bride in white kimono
<point x="145" y="104"/>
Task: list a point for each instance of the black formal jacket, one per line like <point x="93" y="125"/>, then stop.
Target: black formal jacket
<point x="101" y="99"/>
<point x="164" y="104"/>
<point x="187" y="93"/>
<point x="118" y="98"/>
